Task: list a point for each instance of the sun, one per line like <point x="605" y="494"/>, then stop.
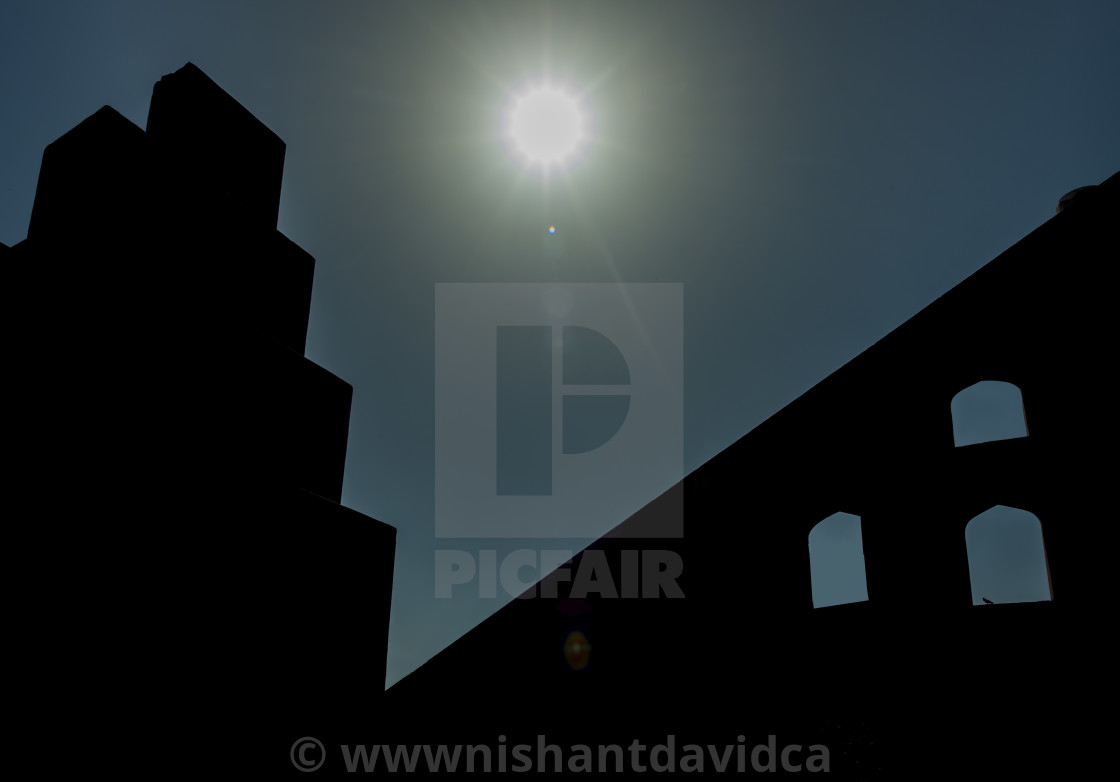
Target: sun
<point x="546" y="125"/>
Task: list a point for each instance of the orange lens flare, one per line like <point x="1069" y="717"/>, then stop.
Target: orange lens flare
<point x="577" y="650"/>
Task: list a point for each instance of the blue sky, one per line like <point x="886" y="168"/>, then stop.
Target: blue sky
<point x="812" y="173"/>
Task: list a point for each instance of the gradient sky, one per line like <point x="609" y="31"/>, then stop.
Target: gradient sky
<point x="813" y="173"/>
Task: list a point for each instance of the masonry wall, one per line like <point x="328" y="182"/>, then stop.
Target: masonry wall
<point x="745" y="651"/>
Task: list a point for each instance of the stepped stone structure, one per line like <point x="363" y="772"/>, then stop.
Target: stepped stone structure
<point x="189" y="556"/>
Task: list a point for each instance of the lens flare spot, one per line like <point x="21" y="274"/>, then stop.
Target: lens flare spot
<point x="577" y="650"/>
<point x="552" y="230"/>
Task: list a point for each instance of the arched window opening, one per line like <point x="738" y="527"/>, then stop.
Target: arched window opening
<point x="836" y="561"/>
<point x="1007" y="557"/>
<point x="986" y="411"/>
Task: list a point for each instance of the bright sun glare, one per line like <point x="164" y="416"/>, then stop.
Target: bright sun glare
<point x="546" y="125"/>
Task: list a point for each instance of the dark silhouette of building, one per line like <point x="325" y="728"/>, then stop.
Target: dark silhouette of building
<point x="185" y="566"/>
<point x="187" y="548"/>
<point x="916" y="678"/>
